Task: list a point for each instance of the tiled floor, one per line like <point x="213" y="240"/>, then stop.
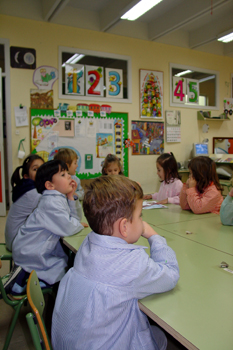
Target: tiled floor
<point x="21" y="339"/>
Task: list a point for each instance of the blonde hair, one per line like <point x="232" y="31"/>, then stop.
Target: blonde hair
<point x="67" y="155"/>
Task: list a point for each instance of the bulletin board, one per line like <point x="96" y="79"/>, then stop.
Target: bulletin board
<point x="92" y="138"/>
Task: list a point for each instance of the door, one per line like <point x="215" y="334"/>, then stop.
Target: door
<point x="2" y="171"/>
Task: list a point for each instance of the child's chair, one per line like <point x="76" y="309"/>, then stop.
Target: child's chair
<point x="35" y="320"/>
<point x="5" y="254"/>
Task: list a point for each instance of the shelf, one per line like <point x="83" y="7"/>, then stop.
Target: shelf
<point x="220" y="118"/>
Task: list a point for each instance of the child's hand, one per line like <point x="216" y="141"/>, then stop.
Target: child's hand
<point x="231" y="193"/>
<point x="70" y="195"/>
<point x="84" y="224"/>
<point x="164" y="201"/>
<point x="148" y="231"/>
<point x="147" y="196"/>
<point x="192" y="182"/>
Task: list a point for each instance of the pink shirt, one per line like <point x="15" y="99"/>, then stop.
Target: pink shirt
<point x="171" y="191"/>
<point x="207" y="202"/>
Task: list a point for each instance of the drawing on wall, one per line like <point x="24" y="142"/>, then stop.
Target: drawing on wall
<point x="147" y="137"/>
<point x="151" y="94"/>
<point x="41" y="98"/>
<point x="114" y="79"/>
<point x="74" y="81"/>
<point x="92" y="138"/>
<point x="44" y="77"/>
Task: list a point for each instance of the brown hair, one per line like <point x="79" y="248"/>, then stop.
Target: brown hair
<point x="109" y="198"/>
<point x="204" y="172"/>
<point x="67" y="155"/>
<point x="111" y="158"/>
<point x="168" y="162"/>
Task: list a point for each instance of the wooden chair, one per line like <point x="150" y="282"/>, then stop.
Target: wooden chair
<point x="35" y="320"/>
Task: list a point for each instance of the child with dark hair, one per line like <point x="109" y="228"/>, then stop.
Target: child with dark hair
<point x="97" y="301"/>
<point x="202" y="191"/>
<point x="24" y="196"/>
<point x="171" y="184"/>
<point x="112" y="165"/>
<point x="69" y="156"/>
<point x="37" y="244"/>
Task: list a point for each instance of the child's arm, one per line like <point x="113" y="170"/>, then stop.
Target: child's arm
<point x="226" y="211"/>
<point x="157" y="273"/>
<point x="79" y="192"/>
<point x="204" y="203"/>
<point x="183" y="198"/>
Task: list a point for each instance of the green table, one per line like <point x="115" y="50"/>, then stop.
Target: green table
<point x="198" y="312"/>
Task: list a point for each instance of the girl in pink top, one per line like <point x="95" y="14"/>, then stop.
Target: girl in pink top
<point x="202" y="191"/>
<point x="171" y="184"/>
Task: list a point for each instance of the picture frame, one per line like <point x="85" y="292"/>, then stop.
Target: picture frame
<point x="151" y="94"/>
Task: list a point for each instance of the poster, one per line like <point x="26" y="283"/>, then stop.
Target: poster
<point x="173" y="126"/>
<point x="94" y="81"/>
<point x="74" y="79"/>
<point x="147" y="137"/>
<point x="151" y="94"/>
<point x="114" y="82"/>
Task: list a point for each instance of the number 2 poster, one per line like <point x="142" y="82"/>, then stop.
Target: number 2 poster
<point x="94" y="81"/>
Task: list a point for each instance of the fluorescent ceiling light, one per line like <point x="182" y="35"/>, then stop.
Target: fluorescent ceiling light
<point x="139" y="9"/>
<point x="73" y="59"/>
<point x="226" y="38"/>
<point x="207" y="78"/>
<point x="183" y="73"/>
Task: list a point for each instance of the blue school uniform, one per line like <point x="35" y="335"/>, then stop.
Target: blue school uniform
<point x="37" y="245"/>
<point x="97" y="301"/>
<point x="25" y="198"/>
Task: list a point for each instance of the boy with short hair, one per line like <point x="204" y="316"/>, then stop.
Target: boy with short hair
<point x="69" y="156"/>
<point x="37" y="244"/>
<point x="97" y="301"/>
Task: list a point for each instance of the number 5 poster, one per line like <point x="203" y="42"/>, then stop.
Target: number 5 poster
<point x="94" y="81"/>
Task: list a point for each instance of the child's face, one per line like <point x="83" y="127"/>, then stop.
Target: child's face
<point x="61" y="182"/>
<point x="135" y="228"/>
<point x="112" y="169"/>
<point x="33" y="169"/>
<point x="160" y="172"/>
<point x="73" y="166"/>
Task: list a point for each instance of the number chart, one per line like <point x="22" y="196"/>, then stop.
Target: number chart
<point x="92" y="138"/>
<point x="185" y="90"/>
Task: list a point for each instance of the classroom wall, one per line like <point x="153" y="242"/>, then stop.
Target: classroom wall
<point x="45" y="38"/>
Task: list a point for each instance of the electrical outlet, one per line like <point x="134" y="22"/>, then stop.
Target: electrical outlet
<point x="16" y="132"/>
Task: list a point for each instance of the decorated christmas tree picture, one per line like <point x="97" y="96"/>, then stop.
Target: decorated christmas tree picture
<point x="151" y="94"/>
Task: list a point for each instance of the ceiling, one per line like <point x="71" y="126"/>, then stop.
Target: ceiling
<point x="193" y="24"/>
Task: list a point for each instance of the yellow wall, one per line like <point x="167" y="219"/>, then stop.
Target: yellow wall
<point x="45" y="38"/>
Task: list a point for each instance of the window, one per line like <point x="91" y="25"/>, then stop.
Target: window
<point x="193" y="87"/>
<point x="91" y="75"/>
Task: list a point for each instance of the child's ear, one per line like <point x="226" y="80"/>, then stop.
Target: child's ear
<point x="123" y="227"/>
<point x="26" y="176"/>
<point x="49" y="185"/>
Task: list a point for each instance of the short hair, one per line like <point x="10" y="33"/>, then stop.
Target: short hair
<point x="111" y="158"/>
<point x="168" y="162"/>
<point x="204" y="172"/>
<point x="67" y="155"/>
<point x="109" y="198"/>
<point x="47" y="170"/>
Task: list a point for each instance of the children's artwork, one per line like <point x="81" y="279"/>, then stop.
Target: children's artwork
<point x="228" y="105"/>
<point x="44" y="77"/>
<point x="74" y="82"/>
<point x="151" y="94"/>
<point x="41" y="98"/>
<point x="173" y="126"/>
<point x="94" y="81"/>
<point x="114" y="79"/>
<point x="147" y="137"/>
<point x="92" y="138"/>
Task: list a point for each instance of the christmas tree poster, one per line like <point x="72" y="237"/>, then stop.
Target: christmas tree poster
<point x="151" y="94"/>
